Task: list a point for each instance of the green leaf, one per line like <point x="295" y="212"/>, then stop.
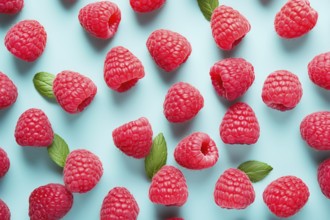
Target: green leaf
<point x="207" y="7"/>
<point x="58" y="150"/>
<point x="43" y="82"/>
<point x="255" y="170"/>
<point x="157" y="156"/>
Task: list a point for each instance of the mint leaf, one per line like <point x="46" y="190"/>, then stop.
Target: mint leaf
<point x="58" y="150"/>
<point x="255" y="170"/>
<point x="207" y="7"/>
<point x="157" y="156"/>
<point x="43" y="82"/>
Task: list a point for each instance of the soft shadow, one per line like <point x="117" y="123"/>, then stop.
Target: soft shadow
<point x="23" y="66"/>
<point x="170" y="211"/>
<point x="279" y="116"/>
<point x="146" y="18"/>
<point x="317" y="156"/>
<point x="5" y="112"/>
<point x="230" y="53"/>
<point x="70" y="118"/>
<point x="266" y="2"/>
<point x="97" y="43"/>
<point x="181" y="129"/>
<point x="325" y="94"/>
<point x="67" y="4"/>
<point x="238" y="153"/>
<point x="136" y="166"/>
<point x="7" y="20"/>
<point x="168" y="77"/>
<point x="291" y="45"/>
<point x="120" y="97"/>
<point x="198" y="177"/>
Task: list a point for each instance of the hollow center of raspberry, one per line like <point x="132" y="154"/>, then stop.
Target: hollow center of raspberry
<point x="280" y="107"/>
<point x="205" y="148"/>
<point x="84" y="103"/>
<point x="113" y="20"/>
<point x="237" y="41"/>
<point x="127" y="85"/>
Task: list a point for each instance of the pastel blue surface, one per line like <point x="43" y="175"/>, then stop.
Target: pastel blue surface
<point x="69" y="47"/>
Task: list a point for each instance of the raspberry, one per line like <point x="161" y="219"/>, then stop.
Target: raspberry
<point x="286" y="196"/>
<point x="323" y="177"/>
<point x="26" y="40"/>
<point x="122" y="69"/>
<point x="197" y="151"/>
<point x="4" y="211"/>
<point x="182" y="102"/>
<point x="168" y="49"/>
<point x="51" y="201"/>
<point x="295" y="19"/>
<point x="82" y="171"/>
<point x="134" y="138"/>
<point x="100" y="19"/>
<point x="11" y="6"/>
<point x="168" y="187"/>
<point x="234" y="190"/>
<point x="282" y="90"/>
<point x="119" y="204"/>
<point x="232" y="77"/>
<point x="4" y="163"/>
<point x="240" y="125"/>
<point x="315" y="130"/>
<point x="34" y="129"/>
<point x="319" y="69"/>
<point x="8" y="91"/>
<point x="228" y="26"/>
<point x="144" y="6"/>
<point x="73" y="91"/>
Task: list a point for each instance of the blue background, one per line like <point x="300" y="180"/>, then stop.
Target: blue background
<point x="70" y="47"/>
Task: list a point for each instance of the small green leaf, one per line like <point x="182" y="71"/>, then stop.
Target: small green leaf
<point x="58" y="150"/>
<point x="207" y="7"/>
<point x="157" y="156"/>
<point x="255" y="170"/>
<point x="43" y="82"/>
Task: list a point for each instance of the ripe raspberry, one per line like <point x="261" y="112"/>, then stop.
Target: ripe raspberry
<point x="319" y="69"/>
<point x="134" y="138"/>
<point x="4" y="163"/>
<point x="286" y="196"/>
<point x="282" y="90"/>
<point x="26" y="40"/>
<point x="34" y="129"/>
<point x="82" y="171"/>
<point x="240" y="125"/>
<point x="196" y="151"/>
<point x="119" y="204"/>
<point x="73" y="91"/>
<point x="315" y="130"/>
<point x="228" y="26"/>
<point x="323" y="177"/>
<point x="100" y="19"/>
<point x="11" y="6"/>
<point x="234" y="190"/>
<point x="144" y="6"/>
<point x="168" y="49"/>
<point x="51" y="201"/>
<point x="122" y="69"/>
<point x="8" y="91"/>
<point x="182" y="102"/>
<point x="232" y="77"/>
<point x="295" y="19"/>
<point x="168" y="187"/>
<point x="4" y="211"/>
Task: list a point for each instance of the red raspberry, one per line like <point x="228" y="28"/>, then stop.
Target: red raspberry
<point x="34" y="129"/>
<point x="4" y="211"/>
<point x="229" y="27"/>
<point x="282" y="90"/>
<point x="182" y="102"/>
<point x="168" y="187"/>
<point x="100" y="19"/>
<point x="234" y="190"/>
<point x="26" y="40"/>
<point x="232" y="77"/>
<point x="51" y="201"/>
<point x="168" y="49"/>
<point x="144" y="6"/>
<point x="119" y="204"/>
<point x="240" y="125"/>
<point x="11" y="6"/>
<point x="295" y="19"/>
<point x="134" y="138"/>
<point x="196" y="151"/>
<point x="4" y="163"/>
<point x="319" y="69"/>
<point x="122" y="69"/>
<point x="286" y="196"/>
<point x="8" y="91"/>
<point x="315" y="130"/>
<point x="323" y="177"/>
<point x="82" y="171"/>
<point x="73" y="91"/>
